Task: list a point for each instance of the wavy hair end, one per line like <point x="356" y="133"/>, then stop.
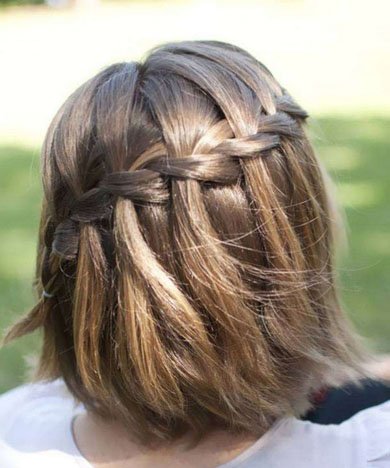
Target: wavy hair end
<point x="185" y="271"/>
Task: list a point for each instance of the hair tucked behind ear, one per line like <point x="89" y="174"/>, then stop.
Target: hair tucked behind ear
<point x="185" y="266"/>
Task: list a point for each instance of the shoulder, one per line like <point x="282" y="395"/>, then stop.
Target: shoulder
<point x="36" y="397"/>
<point x="34" y="424"/>
<point x="361" y="441"/>
<point x="375" y="424"/>
<point x="34" y="390"/>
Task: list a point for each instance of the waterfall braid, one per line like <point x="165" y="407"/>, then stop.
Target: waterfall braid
<point x="185" y="265"/>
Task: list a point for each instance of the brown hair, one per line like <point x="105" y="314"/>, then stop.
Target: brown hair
<point x="185" y="265"/>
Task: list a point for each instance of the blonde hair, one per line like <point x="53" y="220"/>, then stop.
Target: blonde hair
<point x="185" y="267"/>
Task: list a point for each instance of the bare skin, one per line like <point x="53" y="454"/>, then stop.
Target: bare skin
<point x="381" y="368"/>
<point x="107" y="445"/>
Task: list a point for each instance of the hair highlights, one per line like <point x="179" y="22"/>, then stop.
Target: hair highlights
<point x="186" y="248"/>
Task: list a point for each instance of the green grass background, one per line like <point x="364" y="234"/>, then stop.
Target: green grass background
<point x="356" y="152"/>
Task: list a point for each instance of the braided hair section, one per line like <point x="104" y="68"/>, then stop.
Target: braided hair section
<point x="185" y="271"/>
<point x="149" y="183"/>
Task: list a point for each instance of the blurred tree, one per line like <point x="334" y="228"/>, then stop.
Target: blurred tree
<point x="73" y="3"/>
<point x="53" y="3"/>
<point x="20" y="2"/>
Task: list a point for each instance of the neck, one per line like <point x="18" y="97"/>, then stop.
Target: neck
<point x="106" y="444"/>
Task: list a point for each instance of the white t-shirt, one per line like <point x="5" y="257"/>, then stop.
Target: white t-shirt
<point x="36" y="432"/>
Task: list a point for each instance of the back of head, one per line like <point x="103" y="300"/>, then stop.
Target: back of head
<point x="185" y="266"/>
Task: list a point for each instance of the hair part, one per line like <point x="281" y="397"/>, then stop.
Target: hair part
<point x="186" y="248"/>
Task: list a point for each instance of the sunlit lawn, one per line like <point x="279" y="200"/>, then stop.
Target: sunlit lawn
<point x="356" y="151"/>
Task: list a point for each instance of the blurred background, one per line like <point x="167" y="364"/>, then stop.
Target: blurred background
<point x="333" y="57"/>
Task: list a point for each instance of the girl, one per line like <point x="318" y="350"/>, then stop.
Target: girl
<point x="185" y="278"/>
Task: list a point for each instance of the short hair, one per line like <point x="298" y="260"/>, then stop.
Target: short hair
<point x="185" y="267"/>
